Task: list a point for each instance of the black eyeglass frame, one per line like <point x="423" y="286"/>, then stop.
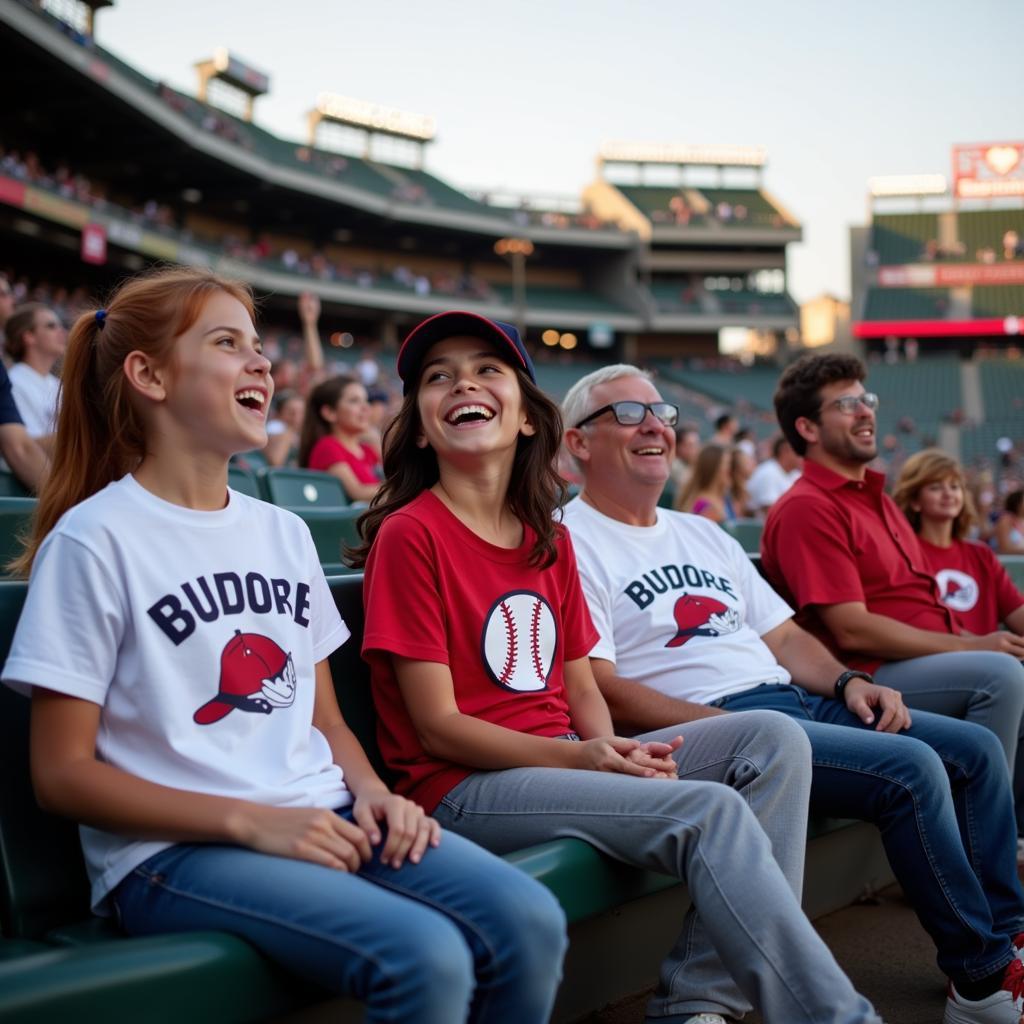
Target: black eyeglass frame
<point x="648" y="407"/>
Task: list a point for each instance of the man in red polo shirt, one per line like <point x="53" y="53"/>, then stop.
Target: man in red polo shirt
<point x="836" y="547"/>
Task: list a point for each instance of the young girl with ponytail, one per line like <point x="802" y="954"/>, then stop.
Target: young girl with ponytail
<point x="175" y="640"/>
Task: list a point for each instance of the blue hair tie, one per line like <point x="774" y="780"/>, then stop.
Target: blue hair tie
<point x="101" y="316"/>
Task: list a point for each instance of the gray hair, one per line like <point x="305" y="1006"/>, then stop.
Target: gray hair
<point x="577" y="405"/>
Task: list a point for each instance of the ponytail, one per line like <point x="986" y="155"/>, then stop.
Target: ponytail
<point x="100" y="433"/>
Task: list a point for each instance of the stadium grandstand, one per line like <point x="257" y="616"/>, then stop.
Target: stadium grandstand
<point x="667" y="247"/>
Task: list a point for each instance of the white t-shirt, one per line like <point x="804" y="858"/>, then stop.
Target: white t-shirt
<point x="769" y="482"/>
<point x="197" y="633"/>
<point x="36" y="396"/>
<point x="679" y="606"/>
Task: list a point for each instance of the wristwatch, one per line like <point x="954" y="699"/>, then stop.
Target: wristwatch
<point x="845" y="677"/>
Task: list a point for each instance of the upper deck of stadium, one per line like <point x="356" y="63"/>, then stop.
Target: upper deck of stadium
<point x="670" y="262"/>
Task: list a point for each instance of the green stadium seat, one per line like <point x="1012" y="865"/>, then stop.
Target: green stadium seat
<point x="747" y="532"/>
<point x="11" y="486"/>
<point x="333" y="529"/>
<point x="15" y="520"/>
<point x="303" y="488"/>
<point x="244" y="480"/>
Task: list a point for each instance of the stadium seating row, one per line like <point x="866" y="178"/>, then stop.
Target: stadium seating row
<point x="58" y="963"/>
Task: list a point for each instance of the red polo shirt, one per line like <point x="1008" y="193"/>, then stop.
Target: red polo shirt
<point x="830" y="540"/>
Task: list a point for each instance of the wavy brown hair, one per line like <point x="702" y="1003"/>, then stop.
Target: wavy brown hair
<point x="705" y="472"/>
<point x="535" y="489"/>
<point x="932" y="466"/>
<point x="100" y="433"/>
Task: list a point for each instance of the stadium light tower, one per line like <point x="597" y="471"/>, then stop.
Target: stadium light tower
<point x="516" y="250"/>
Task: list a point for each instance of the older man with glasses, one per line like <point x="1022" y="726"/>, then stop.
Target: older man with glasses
<point x="688" y="628"/>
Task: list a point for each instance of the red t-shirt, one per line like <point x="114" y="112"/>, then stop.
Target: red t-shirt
<point x="973" y="584"/>
<point x="435" y="591"/>
<point x="830" y="540"/>
<point x="329" y="450"/>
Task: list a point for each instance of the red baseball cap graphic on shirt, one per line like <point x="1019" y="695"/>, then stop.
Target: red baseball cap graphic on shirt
<point x="256" y="675"/>
<point x="697" y="615"/>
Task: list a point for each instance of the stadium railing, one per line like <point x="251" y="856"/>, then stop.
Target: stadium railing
<point x="58" y="963"/>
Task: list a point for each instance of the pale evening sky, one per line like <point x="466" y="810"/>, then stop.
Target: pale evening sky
<point x="525" y="93"/>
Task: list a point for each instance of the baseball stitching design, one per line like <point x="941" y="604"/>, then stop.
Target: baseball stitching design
<point x="519" y="622"/>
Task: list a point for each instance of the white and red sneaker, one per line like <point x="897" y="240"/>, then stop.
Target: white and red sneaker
<point x="1005" y="1006"/>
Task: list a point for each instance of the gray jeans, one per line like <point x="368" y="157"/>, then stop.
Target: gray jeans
<point x="985" y="687"/>
<point x="750" y="942"/>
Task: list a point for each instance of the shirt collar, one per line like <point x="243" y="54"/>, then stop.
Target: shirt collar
<point x="829" y="480"/>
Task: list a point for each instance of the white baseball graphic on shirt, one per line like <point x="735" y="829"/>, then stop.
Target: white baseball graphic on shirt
<point x="957" y="590"/>
<point x="519" y="641"/>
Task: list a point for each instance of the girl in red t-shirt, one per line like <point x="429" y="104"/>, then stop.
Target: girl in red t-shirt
<point x="972" y="582"/>
<point x="477" y="635"/>
<point x="334" y="437"/>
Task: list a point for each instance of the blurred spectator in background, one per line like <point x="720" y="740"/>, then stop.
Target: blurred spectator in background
<point x="687" y="450"/>
<point x="23" y="455"/>
<point x="284" y="429"/>
<point x="708" y="491"/>
<point x="744" y="463"/>
<point x="773" y="477"/>
<point x="36" y="340"/>
<point x="334" y="437"/>
<point x="972" y="582"/>
<point x="726" y="426"/>
<point x="1009" y="531"/>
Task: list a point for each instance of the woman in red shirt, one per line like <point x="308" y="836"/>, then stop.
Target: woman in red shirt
<point x="972" y="582"/>
<point x="334" y="437"/>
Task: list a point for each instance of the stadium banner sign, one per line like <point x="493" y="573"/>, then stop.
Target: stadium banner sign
<point x="950" y="275"/>
<point x="94" y="244"/>
<point x="1009" y="326"/>
<point x="63" y="211"/>
<point x="661" y="153"/>
<point x="375" y="117"/>
<point x="988" y="170"/>
<point x="239" y="74"/>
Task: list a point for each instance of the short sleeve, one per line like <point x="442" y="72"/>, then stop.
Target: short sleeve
<point x="1008" y="597"/>
<point x="765" y="609"/>
<point x="405" y="610"/>
<point x="577" y="624"/>
<point x="328" y="629"/>
<point x="71" y="627"/>
<point x="599" y="604"/>
<point x="810" y="548"/>
<point x="326" y="452"/>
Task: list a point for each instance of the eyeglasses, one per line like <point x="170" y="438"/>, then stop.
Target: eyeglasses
<point x="847" y="405"/>
<point x="629" y="414"/>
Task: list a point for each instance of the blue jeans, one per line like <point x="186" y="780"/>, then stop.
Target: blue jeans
<point x="985" y="687"/>
<point x="460" y="936"/>
<point x="940" y="796"/>
<point x="748" y="941"/>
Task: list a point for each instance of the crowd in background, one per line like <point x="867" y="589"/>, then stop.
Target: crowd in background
<point x="728" y="465"/>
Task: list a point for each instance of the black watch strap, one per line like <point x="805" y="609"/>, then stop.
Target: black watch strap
<point x="845" y="677"/>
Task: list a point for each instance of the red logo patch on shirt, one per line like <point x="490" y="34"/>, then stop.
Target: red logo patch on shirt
<point x="702" y="616"/>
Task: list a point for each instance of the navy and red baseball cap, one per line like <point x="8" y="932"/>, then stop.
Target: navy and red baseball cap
<point x="458" y="322"/>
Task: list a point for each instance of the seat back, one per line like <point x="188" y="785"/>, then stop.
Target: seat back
<point x="333" y="529"/>
<point x="303" y="488"/>
<point x="11" y="486"/>
<point x="244" y="481"/>
<point x="42" y="875"/>
<point x="15" y="521"/>
<point x="351" y="674"/>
